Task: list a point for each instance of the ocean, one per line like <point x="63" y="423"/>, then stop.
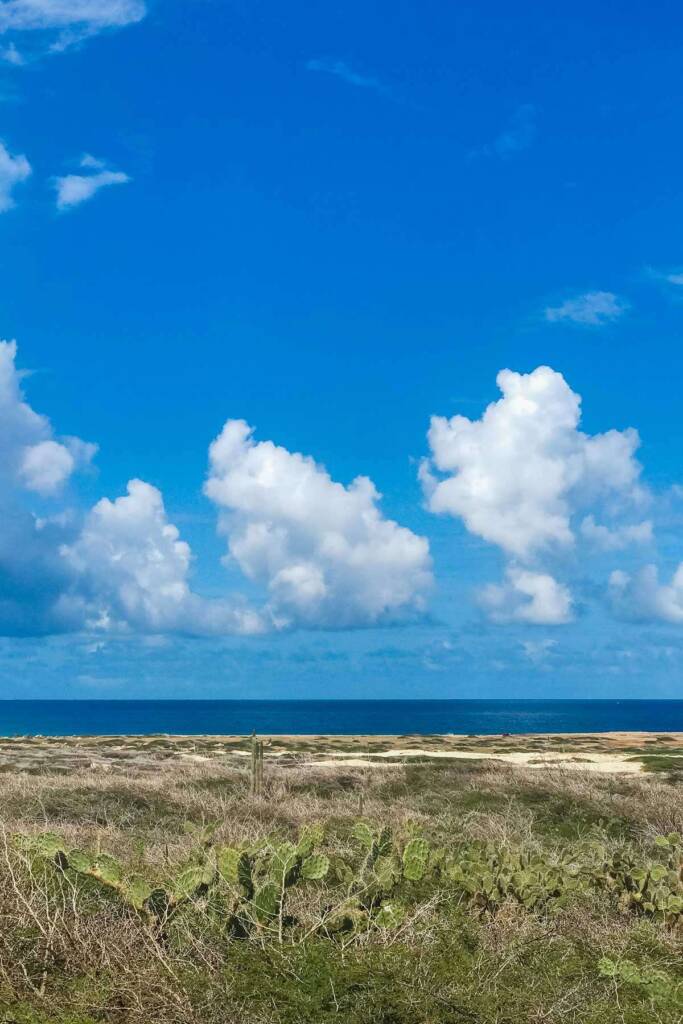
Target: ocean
<point x="335" y="717"/>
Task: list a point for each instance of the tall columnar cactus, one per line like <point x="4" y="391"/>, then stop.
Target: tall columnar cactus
<point x="256" y="766"/>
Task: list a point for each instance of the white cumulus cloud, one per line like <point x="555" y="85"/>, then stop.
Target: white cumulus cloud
<point x="35" y="465"/>
<point x="327" y="556"/>
<point x="121" y="566"/>
<point x="325" y="552"/>
<point x="13" y="170"/>
<point x="527" y="596"/>
<point x="131" y="568"/>
<point x="590" y="310"/>
<point x="525" y="478"/>
<point x="518" y="476"/>
<point x="45" y="466"/>
<point x="31" y="458"/>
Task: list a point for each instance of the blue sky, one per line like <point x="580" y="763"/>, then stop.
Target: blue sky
<point x="334" y="223"/>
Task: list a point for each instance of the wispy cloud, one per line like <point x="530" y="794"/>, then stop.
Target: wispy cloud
<point x="537" y="651"/>
<point x="74" y="189"/>
<point x="10" y="55"/>
<point x="340" y="69"/>
<point x="51" y="26"/>
<point x="592" y="309"/>
<point x="93" y="162"/>
<point x="673" y="277"/>
<point x="519" y="134"/>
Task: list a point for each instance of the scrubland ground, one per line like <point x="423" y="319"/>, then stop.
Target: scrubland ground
<point x="140" y="880"/>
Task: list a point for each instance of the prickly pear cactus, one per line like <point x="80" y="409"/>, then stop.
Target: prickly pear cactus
<point x="315" y="867"/>
<point x="389" y="915"/>
<point x="266" y="902"/>
<point x="106" y="869"/>
<point x="310" y="837"/>
<point x="415" y="858"/>
<point x="235" y="867"/>
<point x="387" y="872"/>
<point x="136" y="891"/>
<point x="191" y="881"/>
<point x="364" y="834"/>
<point x="282" y="864"/>
<point x="46" y="845"/>
<point x="79" y="861"/>
<point x="383" y="844"/>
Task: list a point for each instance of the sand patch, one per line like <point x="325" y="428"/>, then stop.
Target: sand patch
<point x="587" y="762"/>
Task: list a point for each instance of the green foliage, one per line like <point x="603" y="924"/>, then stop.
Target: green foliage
<point x="371" y="889"/>
<point x="230" y="864"/>
<point x="364" y="834"/>
<point x="266" y="902"/>
<point x="282" y="863"/>
<point x="191" y="881"/>
<point x="490" y="876"/>
<point x="415" y="857"/>
<point x="81" y="862"/>
<point x="390" y="915"/>
<point x="315" y="867"/>
<point x="311" y="836"/>
<point x="45" y="845"/>
<point x="655" y="983"/>
<point x="651" y="887"/>
<point x="258" y="878"/>
<point x="415" y="926"/>
<point x="104" y="868"/>
<point x="202" y="834"/>
<point x="136" y="891"/>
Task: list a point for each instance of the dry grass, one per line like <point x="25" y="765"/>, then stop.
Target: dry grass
<point x="446" y="963"/>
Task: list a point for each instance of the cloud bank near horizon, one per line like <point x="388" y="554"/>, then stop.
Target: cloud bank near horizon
<point x="325" y="554"/>
<point x="523" y="478"/>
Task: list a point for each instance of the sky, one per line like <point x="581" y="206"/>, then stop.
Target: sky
<point x="342" y="349"/>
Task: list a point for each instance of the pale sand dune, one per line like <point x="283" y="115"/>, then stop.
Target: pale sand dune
<point x="587" y="762"/>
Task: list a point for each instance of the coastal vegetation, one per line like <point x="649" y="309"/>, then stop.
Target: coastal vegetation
<point x="179" y="886"/>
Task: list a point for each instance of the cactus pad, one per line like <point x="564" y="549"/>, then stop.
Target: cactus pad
<point x="364" y="834"/>
<point x="310" y="837"/>
<point x="267" y="901"/>
<point x="415" y="857"/>
<point x="315" y="867"/>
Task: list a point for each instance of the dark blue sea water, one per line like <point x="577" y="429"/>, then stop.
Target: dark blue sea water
<point x="131" y="717"/>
